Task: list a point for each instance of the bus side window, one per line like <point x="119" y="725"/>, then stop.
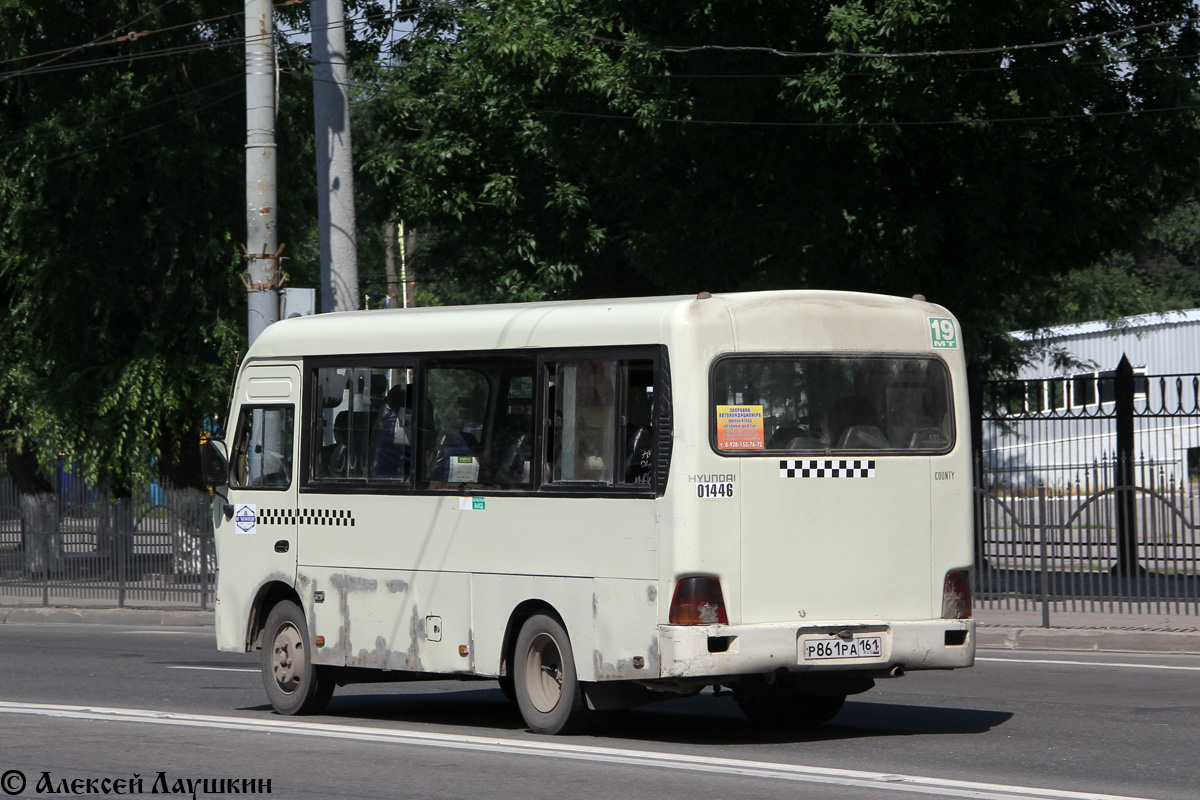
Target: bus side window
<point x="601" y="427"/>
<point x="262" y="450"/>
<point x="584" y="421"/>
<point x="453" y="410"/>
<point x="361" y="424"/>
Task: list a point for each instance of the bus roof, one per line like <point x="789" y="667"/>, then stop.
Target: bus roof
<point x="815" y="319"/>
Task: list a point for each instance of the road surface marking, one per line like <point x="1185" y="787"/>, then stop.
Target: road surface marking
<point x="550" y="748"/>
<point x="219" y="669"/>
<point x="1085" y="663"/>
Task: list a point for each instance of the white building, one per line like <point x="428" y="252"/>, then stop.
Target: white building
<point x="1055" y="424"/>
<point x="1156" y="344"/>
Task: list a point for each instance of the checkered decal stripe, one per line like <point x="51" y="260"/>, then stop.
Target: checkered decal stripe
<point x="305" y="516"/>
<point x="826" y="468"/>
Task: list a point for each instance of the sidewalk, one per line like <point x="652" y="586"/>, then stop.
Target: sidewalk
<point x="1087" y="631"/>
<point x="28" y="611"/>
<point x="996" y="628"/>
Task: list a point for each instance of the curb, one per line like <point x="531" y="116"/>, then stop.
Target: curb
<point x="1106" y="640"/>
<point x="105" y="616"/>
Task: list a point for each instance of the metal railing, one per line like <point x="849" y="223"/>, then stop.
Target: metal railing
<point x="1062" y="551"/>
<point x="1090" y="504"/>
<point x="79" y="545"/>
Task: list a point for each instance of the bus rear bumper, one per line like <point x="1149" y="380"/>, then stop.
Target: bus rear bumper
<point x="688" y="651"/>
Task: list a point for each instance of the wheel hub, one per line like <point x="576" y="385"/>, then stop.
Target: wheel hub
<point x="287" y="650"/>
<point x="545" y="674"/>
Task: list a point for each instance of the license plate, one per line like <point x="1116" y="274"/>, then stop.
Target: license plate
<point x="833" y="647"/>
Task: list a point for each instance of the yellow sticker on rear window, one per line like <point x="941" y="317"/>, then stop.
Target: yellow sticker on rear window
<point x="740" y="428"/>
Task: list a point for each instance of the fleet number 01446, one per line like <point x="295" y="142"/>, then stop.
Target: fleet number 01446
<point x="714" y="491"/>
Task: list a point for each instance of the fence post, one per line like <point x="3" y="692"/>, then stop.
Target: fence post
<point x="1042" y="536"/>
<point x="203" y="572"/>
<point x="975" y="401"/>
<point x="1123" y="475"/>
<point x="123" y="539"/>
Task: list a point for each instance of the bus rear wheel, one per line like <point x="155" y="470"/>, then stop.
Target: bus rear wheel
<point x="294" y="684"/>
<point x="547" y="688"/>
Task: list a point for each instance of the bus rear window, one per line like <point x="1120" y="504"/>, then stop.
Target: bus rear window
<point x="792" y="404"/>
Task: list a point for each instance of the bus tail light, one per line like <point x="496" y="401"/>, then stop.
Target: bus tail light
<point x="956" y="595"/>
<point x="698" y="601"/>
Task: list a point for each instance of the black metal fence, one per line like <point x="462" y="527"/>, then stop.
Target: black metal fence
<point x="80" y="545"/>
<point x="1088" y="494"/>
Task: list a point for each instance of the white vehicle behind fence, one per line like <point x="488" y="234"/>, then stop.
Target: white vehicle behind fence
<point x="602" y="503"/>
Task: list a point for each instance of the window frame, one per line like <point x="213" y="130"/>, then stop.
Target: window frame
<point x="243" y="411"/>
<point x="1101" y="384"/>
<point x="657" y="484"/>
<point x="831" y="451"/>
<point x="311" y="424"/>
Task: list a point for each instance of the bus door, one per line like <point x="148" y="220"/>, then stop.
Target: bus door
<point x="262" y="482"/>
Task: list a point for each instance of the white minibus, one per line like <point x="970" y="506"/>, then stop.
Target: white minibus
<point x="601" y="503"/>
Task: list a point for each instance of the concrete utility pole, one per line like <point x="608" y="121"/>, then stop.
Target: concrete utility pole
<point x="262" y="235"/>
<point x="389" y="261"/>
<point x="335" y="171"/>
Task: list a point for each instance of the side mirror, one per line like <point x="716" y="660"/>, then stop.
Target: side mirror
<point x="214" y="463"/>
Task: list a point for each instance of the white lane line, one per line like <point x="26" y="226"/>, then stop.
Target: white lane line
<point x="550" y="748"/>
<point x="218" y="669"/>
<point x="1086" y="663"/>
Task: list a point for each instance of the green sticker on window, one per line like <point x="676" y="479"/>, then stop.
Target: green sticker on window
<point x="477" y="504"/>
<point x="945" y="337"/>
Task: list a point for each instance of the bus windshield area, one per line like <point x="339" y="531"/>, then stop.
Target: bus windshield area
<point x="786" y="404"/>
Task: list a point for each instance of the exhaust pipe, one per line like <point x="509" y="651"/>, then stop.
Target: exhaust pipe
<point x="897" y="671"/>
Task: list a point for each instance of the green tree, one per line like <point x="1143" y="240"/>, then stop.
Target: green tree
<point x="603" y="147"/>
<point x="122" y="179"/>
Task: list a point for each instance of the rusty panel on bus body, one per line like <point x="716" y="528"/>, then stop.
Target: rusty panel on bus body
<point x="402" y="564"/>
<point x="840" y="524"/>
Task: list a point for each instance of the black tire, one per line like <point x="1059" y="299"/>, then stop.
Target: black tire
<point x="788" y="709"/>
<point x="547" y="688"/>
<point x="508" y="688"/>
<point x="294" y="684"/>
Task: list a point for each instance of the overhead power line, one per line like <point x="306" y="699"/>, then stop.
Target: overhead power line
<point x="197" y="46"/>
<point x="877" y="124"/>
<point x="863" y="73"/>
<point x="441" y="98"/>
<point x="852" y="54"/>
<point x="109" y="143"/>
<point x="61" y="54"/>
<point x="113" y="118"/>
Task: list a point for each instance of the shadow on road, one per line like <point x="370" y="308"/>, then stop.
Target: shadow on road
<point x="702" y="720"/>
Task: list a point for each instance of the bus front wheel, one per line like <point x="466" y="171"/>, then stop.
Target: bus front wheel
<point x="547" y="687"/>
<point x="294" y="684"/>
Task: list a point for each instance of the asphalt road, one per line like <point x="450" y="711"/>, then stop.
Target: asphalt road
<point x="80" y="702"/>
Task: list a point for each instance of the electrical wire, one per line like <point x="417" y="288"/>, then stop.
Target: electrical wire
<point x="207" y="44"/>
<point x="104" y="145"/>
<point x="882" y="124"/>
<point x="851" y="54"/>
<point x="115" y="117"/>
<point x="59" y="55"/>
<point x="863" y="73"/>
<point x="1133" y="112"/>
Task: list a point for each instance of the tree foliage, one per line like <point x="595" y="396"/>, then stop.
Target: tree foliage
<point x="602" y="147"/>
<point x="122" y="180"/>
